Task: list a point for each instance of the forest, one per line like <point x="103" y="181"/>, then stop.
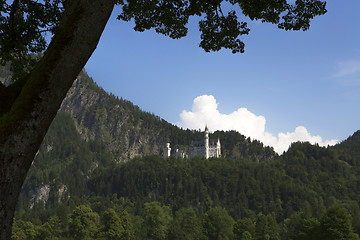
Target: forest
<point x="309" y="192"/>
<point x="79" y="188"/>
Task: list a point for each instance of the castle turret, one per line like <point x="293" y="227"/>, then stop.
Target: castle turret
<point x="218" y="148"/>
<point x="167" y="150"/>
<point x="206" y="142"/>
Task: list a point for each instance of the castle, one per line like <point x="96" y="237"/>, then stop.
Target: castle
<point x="207" y="148"/>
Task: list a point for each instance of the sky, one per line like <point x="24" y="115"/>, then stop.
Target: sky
<point x="288" y="86"/>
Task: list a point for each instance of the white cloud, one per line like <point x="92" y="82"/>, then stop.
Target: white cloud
<point x="205" y="112"/>
<point x="349" y="68"/>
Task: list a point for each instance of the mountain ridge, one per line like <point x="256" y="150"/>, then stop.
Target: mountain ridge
<point x="128" y="130"/>
<point x="94" y="128"/>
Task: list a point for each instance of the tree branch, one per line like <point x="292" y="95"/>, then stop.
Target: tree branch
<point x="12" y="33"/>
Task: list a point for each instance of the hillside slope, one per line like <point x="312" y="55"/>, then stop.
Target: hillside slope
<point x="94" y="128"/>
<point x="128" y="131"/>
<point x="349" y="149"/>
<point x="105" y="152"/>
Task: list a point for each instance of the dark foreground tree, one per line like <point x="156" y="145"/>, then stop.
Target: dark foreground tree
<point x="336" y="225"/>
<point x="45" y="72"/>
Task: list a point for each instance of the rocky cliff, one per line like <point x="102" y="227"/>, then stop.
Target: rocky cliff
<point x="104" y="117"/>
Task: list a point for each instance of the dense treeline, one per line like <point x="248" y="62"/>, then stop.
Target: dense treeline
<point x="349" y="150"/>
<point x="307" y="178"/>
<point x="294" y="196"/>
<point x="158" y="222"/>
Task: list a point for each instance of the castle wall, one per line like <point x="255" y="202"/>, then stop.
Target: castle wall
<point x="206" y="148"/>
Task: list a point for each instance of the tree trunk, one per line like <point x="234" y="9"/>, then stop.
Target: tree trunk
<point x="23" y="128"/>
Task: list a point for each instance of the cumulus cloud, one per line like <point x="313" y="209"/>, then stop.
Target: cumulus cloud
<point x="205" y="112"/>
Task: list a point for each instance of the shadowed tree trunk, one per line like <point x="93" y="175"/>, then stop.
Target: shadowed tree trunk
<point x="23" y="127"/>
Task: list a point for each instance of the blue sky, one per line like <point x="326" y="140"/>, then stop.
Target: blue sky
<point x="284" y="80"/>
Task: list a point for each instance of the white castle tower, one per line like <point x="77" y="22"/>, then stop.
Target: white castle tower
<point x="218" y="148"/>
<point x="206" y="144"/>
<point x="167" y="150"/>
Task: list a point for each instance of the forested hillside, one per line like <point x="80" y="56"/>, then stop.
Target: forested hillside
<point x="99" y="174"/>
<point x="128" y="131"/>
<point x="307" y="193"/>
<point x="94" y="129"/>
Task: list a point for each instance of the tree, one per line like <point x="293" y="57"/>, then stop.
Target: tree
<point x="244" y="228"/>
<point x="310" y="230"/>
<point x="336" y="224"/>
<point x="128" y="226"/>
<point x="111" y="225"/>
<point x="23" y="230"/>
<point x="45" y="72"/>
<point x="83" y="223"/>
<point x="156" y="221"/>
<point x="50" y="229"/>
<point x="292" y="226"/>
<point x="115" y="227"/>
<point x="266" y="227"/>
<point x="218" y="225"/>
<point x="186" y="225"/>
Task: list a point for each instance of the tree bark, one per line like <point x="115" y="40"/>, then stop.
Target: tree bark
<point x="23" y="128"/>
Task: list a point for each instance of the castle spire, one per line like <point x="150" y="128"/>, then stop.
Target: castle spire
<point x="167" y="150"/>
<point x="206" y="142"/>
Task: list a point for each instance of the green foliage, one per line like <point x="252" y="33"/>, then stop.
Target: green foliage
<point x="112" y="227"/>
<point x="115" y="227"/>
<point x="51" y="229"/>
<point x="244" y="229"/>
<point x="218" y="225"/>
<point x="237" y="146"/>
<point x="310" y="230"/>
<point x="336" y="224"/>
<point x="246" y="236"/>
<point x="218" y="30"/>
<point x="307" y="178"/>
<point x="128" y="226"/>
<point x="349" y="151"/>
<point x="186" y="225"/>
<point x="83" y="223"/>
<point x="23" y="230"/>
<point x="64" y="161"/>
<point x="23" y="26"/>
<point x="266" y="227"/>
<point x="156" y="220"/>
<point x="292" y="226"/>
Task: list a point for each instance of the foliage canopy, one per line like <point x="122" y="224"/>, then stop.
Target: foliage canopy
<point x="25" y="26"/>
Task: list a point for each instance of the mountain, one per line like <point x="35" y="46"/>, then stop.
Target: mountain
<point x="121" y="126"/>
<point x="128" y="131"/>
<point x="104" y="153"/>
<point x="94" y="128"/>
